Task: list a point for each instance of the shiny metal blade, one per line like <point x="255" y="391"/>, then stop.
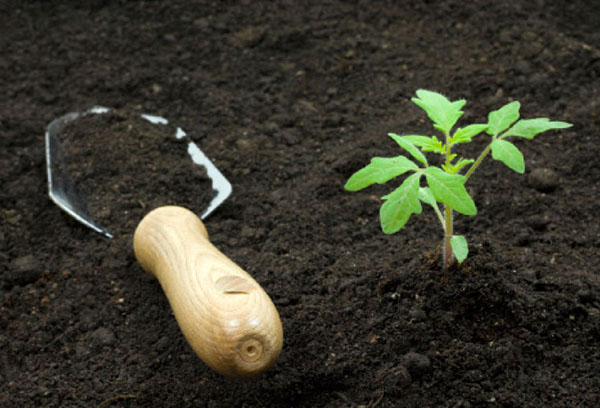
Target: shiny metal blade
<point x="61" y="188"/>
<point x="68" y="197"/>
<point x="220" y="185"/>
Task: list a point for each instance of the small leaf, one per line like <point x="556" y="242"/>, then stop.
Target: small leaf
<point x="450" y="189"/>
<point x="462" y="163"/>
<point x="499" y="120"/>
<point x="380" y="170"/>
<point x="455" y="168"/>
<point x="528" y="128"/>
<point x="507" y="153"/>
<point x="440" y="110"/>
<point x="459" y="247"/>
<point x="409" y="147"/>
<point x="464" y="135"/>
<point x="426" y="196"/>
<point x="426" y="143"/>
<point x="400" y="205"/>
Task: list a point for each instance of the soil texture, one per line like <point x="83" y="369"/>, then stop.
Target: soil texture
<point x="154" y="167"/>
<point x="289" y="99"/>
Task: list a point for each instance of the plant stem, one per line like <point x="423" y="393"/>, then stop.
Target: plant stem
<point x="440" y="216"/>
<point x="477" y="162"/>
<point x="448" y="255"/>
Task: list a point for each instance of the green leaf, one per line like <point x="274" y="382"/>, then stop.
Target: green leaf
<point x="440" y="110"/>
<point x="426" y="143"/>
<point x="462" y="163"/>
<point x="450" y="189"/>
<point x="380" y="170"/>
<point x="459" y="247"/>
<point x="528" y="128"/>
<point x="400" y="205"/>
<point x="499" y="120"/>
<point x="464" y="135"/>
<point x="409" y="147"/>
<point x="507" y="153"/>
<point x="426" y="196"/>
<point x="455" y="168"/>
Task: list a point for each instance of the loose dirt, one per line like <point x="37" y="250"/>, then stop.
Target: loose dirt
<point x="289" y="99"/>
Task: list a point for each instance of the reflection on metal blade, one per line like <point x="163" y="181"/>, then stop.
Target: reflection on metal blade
<point x="61" y="188"/>
<point x="67" y="196"/>
<point x="220" y="185"/>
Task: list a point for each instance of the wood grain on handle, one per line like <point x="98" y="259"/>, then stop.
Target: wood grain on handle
<point x="227" y="318"/>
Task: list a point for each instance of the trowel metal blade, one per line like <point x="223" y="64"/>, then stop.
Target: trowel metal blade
<point x="63" y="191"/>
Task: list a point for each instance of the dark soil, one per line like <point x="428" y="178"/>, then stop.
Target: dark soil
<point x="153" y="168"/>
<point x="289" y="99"/>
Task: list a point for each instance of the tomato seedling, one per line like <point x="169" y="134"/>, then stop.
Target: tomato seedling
<point x="445" y="184"/>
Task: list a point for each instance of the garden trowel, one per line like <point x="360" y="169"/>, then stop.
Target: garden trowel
<point x="227" y="318"/>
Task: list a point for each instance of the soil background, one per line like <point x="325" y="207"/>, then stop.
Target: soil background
<point x="289" y="99"/>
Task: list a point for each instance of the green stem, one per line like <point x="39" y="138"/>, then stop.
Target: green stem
<point x="448" y="255"/>
<point x="440" y="216"/>
<point x="449" y="259"/>
<point x="477" y="162"/>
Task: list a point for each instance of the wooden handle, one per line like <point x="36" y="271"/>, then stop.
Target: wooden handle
<point x="227" y="318"/>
